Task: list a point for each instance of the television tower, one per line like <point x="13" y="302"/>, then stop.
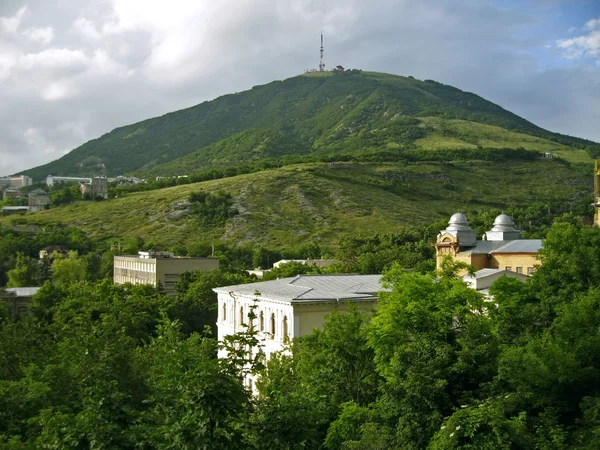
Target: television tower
<point x="321" y="63"/>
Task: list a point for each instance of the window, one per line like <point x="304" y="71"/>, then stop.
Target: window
<point x="530" y="271"/>
<point x="286" y="338"/>
<point x="509" y="268"/>
<point x="262" y="321"/>
<point x="519" y="270"/>
<point x="241" y="315"/>
<point x="224" y="312"/>
<point x="272" y="325"/>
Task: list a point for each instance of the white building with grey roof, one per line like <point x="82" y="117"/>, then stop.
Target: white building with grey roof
<point x="291" y="307"/>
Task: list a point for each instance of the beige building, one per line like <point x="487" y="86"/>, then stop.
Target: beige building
<point x="291" y="307"/>
<point x="500" y="248"/>
<point x="158" y="269"/>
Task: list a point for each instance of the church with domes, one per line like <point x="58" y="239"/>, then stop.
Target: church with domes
<point x="501" y="248"/>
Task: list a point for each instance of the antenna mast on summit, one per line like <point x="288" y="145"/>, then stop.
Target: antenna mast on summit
<point x="321" y="63"/>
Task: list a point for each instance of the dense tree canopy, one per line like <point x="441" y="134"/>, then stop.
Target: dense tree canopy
<point x="435" y="366"/>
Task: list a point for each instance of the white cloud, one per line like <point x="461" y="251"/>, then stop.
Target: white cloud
<point x="7" y="62"/>
<point x="581" y="46"/>
<point x="57" y="90"/>
<point x="36" y="141"/>
<point x="42" y="35"/>
<point x="86" y="28"/>
<point x="10" y="25"/>
<point x="52" y="58"/>
<point x="108" y="63"/>
<point x="592" y="24"/>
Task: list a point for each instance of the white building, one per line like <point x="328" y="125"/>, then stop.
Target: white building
<point x="483" y="279"/>
<point x="291" y="307"/>
<point x="52" y="180"/>
<point x="15" y="182"/>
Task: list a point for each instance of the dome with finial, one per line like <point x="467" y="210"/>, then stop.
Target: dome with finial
<point x="504" y="229"/>
<point x="458" y="226"/>
<point x="458" y="221"/>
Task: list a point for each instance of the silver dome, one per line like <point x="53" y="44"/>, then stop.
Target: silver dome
<point x="458" y="221"/>
<point x="504" y="223"/>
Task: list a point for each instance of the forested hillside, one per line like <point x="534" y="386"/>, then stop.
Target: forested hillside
<point x="323" y="113"/>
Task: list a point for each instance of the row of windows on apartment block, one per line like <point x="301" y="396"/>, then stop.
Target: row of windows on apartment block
<point x="272" y="330"/>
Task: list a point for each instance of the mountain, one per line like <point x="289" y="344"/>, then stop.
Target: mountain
<point x="314" y="113"/>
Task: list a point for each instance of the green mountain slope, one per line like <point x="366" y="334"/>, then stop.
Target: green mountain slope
<point x="312" y="113"/>
<point x="322" y="202"/>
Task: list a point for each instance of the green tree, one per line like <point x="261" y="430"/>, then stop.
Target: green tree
<point x="26" y="272"/>
<point x="434" y="348"/>
<point x="71" y="269"/>
<point x="196" y="306"/>
<point x="194" y="401"/>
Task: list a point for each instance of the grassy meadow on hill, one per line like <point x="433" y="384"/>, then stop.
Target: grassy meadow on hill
<point x="320" y="202"/>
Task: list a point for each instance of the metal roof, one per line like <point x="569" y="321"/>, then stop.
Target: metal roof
<point x="305" y="288"/>
<point x="23" y="291"/>
<point x="521" y="246"/>
<point x="15" y="208"/>
<point x="485" y="247"/>
<point x="482" y="273"/>
<point x="515" y="246"/>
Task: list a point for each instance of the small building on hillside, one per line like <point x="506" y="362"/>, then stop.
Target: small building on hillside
<point x="500" y="248"/>
<point x="321" y="263"/>
<point x="291" y="307"/>
<point x="18" y="299"/>
<point x="158" y="269"/>
<point x="49" y="251"/>
<point x="12" y="194"/>
<point x="96" y="187"/>
<point x="10" y="210"/>
<point x="39" y="200"/>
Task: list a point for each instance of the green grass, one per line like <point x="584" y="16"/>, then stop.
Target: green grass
<point x="470" y="134"/>
<point x="321" y="202"/>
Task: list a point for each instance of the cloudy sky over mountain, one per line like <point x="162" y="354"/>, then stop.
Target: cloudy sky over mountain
<point x="71" y="70"/>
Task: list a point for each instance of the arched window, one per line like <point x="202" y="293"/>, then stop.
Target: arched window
<point x="224" y="312"/>
<point x="286" y="338"/>
<point x="262" y="321"/>
<point x="272" y="325"/>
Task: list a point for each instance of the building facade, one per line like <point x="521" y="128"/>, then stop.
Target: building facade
<point x="39" y="200"/>
<point x="500" y="248"/>
<point x="290" y="307"/>
<point x="96" y="187"/>
<point x="18" y="299"/>
<point x="158" y="269"/>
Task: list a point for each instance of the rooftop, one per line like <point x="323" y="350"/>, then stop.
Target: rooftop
<point x="22" y="291"/>
<point x="306" y="288"/>
<point x="515" y="246"/>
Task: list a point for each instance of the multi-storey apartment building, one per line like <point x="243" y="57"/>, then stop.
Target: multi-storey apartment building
<point x="158" y="269"/>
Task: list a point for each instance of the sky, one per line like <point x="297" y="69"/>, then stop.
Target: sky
<point x="72" y="70"/>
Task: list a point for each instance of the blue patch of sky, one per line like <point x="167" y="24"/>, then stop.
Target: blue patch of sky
<point x="548" y="22"/>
